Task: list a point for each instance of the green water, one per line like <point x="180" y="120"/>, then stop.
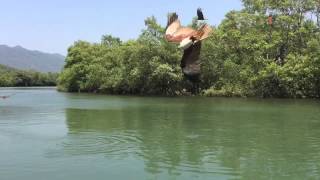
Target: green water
<point x="46" y="135"/>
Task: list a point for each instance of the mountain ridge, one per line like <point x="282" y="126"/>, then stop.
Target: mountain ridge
<point x="21" y="58"/>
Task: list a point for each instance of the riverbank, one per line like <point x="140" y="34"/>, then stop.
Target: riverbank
<point x="209" y="93"/>
<point x="11" y="77"/>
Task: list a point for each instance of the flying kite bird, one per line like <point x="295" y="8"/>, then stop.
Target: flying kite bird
<point x="190" y="41"/>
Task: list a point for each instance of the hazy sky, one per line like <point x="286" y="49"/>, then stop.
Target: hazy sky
<point x="52" y="26"/>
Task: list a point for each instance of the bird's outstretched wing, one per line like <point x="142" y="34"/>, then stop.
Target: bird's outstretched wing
<point x="175" y="32"/>
<point x="200" y="14"/>
<point x="173" y="24"/>
<point x="190" y="62"/>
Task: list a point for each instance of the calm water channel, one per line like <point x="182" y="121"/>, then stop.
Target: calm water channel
<point x="49" y="135"/>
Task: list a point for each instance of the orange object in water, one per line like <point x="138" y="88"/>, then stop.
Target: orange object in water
<point x="270" y="20"/>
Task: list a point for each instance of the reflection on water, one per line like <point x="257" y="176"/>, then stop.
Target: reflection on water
<point x="211" y="137"/>
<point x="49" y="135"/>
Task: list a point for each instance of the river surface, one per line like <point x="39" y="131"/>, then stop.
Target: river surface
<point x="47" y="135"/>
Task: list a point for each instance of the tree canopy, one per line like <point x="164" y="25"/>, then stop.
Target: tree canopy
<point x="10" y="77"/>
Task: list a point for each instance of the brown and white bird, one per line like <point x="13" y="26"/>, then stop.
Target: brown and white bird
<point x="190" y="41"/>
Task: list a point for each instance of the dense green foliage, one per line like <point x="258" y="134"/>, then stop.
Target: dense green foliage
<point x="245" y="56"/>
<point x="10" y="77"/>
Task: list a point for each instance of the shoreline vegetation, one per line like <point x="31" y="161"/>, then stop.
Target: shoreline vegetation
<point x="11" y="77"/>
<point x="267" y="49"/>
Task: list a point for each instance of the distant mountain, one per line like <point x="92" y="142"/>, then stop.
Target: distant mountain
<point x="21" y="58"/>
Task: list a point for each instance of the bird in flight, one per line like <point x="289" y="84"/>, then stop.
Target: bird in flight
<point x="190" y="41"/>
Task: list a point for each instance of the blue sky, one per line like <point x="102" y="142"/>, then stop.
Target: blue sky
<point x="52" y="26"/>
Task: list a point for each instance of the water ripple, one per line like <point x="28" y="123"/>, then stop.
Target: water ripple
<point x="120" y="143"/>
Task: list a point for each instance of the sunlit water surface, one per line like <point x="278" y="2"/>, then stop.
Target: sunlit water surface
<point x="49" y="135"/>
